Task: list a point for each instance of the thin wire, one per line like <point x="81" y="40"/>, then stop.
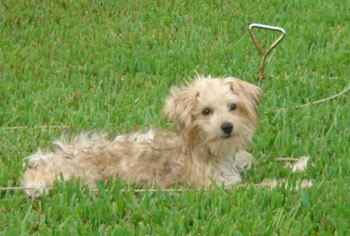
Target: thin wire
<point x="314" y="102"/>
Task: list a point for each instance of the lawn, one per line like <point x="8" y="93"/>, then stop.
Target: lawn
<point x="73" y="66"/>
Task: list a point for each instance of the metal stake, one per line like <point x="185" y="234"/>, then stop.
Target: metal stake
<point x="258" y="47"/>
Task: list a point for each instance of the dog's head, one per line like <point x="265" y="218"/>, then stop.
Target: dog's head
<point x="218" y="114"/>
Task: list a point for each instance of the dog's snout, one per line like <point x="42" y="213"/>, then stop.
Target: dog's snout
<point x="227" y="127"/>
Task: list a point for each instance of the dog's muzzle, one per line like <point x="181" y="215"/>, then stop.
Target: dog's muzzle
<point x="227" y="128"/>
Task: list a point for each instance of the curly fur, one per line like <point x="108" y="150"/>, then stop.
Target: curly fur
<point x="214" y="120"/>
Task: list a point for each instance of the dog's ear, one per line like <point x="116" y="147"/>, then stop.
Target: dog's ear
<point x="245" y="90"/>
<point x="249" y="93"/>
<point x="178" y="107"/>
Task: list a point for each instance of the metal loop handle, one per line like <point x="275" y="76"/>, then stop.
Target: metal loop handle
<point x="258" y="47"/>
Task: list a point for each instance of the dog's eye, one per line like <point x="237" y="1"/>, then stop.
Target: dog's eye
<point x="207" y="111"/>
<point x="232" y="107"/>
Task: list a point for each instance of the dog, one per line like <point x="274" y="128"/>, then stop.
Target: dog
<point x="214" y="121"/>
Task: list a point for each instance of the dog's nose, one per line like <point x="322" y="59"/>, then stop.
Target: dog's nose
<point x="227" y="127"/>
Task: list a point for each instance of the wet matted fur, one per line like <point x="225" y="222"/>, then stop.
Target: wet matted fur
<point x="214" y="121"/>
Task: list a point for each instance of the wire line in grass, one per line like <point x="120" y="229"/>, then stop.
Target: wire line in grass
<point x="314" y="102"/>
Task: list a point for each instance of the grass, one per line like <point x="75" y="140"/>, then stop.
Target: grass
<point x="108" y="65"/>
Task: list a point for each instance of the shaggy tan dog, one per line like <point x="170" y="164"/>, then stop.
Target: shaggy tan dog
<point x="214" y="119"/>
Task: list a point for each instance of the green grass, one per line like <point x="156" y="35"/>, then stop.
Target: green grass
<point x="108" y="65"/>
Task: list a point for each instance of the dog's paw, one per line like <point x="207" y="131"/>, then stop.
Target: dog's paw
<point x="244" y="160"/>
